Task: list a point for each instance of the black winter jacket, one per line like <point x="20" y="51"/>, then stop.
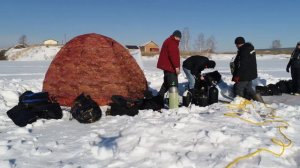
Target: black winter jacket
<point x="245" y="63"/>
<point x="195" y="64"/>
<point x="295" y="59"/>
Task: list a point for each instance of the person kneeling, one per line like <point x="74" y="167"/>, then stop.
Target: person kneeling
<point x="193" y="66"/>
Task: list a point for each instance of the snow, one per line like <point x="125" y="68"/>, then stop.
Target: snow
<point x="185" y="137"/>
<point x="137" y="55"/>
<point x="33" y="53"/>
<point x="47" y="53"/>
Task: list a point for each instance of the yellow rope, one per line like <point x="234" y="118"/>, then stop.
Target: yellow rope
<point x="242" y="106"/>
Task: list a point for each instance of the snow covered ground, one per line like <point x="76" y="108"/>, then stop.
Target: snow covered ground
<point x="33" y="53"/>
<point x="188" y="137"/>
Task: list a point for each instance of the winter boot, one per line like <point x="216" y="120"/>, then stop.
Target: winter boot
<point x="257" y="97"/>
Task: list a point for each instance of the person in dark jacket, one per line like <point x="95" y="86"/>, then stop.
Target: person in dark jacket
<point x="294" y="65"/>
<point x="169" y="62"/>
<point x="245" y="70"/>
<point x="193" y="66"/>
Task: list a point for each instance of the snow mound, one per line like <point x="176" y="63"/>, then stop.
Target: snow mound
<point x="33" y="53"/>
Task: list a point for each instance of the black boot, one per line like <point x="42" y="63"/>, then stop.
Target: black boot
<point x="257" y="97"/>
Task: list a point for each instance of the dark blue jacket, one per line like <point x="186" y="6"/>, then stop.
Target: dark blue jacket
<point x="245" y="63"/>
<point x="195" y="64"/>
<point x="295" y="59"/>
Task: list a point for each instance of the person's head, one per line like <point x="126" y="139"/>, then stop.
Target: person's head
<point x="211" y="64"/>
<point x="239" y="41"/>
<point x="177" y="35"/>
<point x="298" y="45"/>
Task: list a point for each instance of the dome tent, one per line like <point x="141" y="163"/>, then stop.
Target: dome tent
<point x="96" y="65"/>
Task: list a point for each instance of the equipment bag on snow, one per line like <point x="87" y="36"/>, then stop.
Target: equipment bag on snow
<point x="269" y="90"/>
<point x="33" y="106"/>
<point x="282" y="86"/>
<point x="123" y="106"/>
<point x="213" y="95"/>
<point x="285" y="86"/>
<point x="31" y="99"/>
<point x="154" y="103"/>
<point x="21" y="115"/>
<point x="85" y="109"/>
<point x="273" y="90"/>
<point x="212" y="78"/>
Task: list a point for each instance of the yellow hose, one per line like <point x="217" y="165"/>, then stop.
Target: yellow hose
<point x="242" y="106"/>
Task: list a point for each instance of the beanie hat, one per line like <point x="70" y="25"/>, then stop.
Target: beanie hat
<point x="177" y="33"/>
<point x="298" y="43"/>
<point x="211" y="64"/>
<point x="239" y="40"/>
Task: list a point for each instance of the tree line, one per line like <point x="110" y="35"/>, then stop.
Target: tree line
<point x="201" y="43"/>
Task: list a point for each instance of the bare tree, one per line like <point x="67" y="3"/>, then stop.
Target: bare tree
<point x="276" y="44"/>
<point x="185" y="39"/>
<point x="200" y="43"/>
<point x="23" y="40"/>
<point x="211" y="44"/>
<point x="2" y="54"/>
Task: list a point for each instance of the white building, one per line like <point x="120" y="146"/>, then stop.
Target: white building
<point x="50" y="42"/>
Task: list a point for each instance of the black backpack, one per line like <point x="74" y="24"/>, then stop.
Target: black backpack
<point x="33" y="106"/>
<point x="123" y="106"/>
<point x="273" y="90"/>
<point x="85" y="109"/>
<point x="282" y="86"/>
<point x="212" y="78"/>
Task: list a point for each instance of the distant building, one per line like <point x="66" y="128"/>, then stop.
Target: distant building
<point x="149" y="47"/>
<point x="132" y="47"/>
<point x="50" y="42"/>
<point x="20" y="46"/>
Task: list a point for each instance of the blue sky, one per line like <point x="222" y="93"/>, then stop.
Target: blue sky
<point x="138" y="21"/>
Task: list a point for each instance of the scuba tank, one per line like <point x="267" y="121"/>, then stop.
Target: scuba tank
<point x="201" y="94"/>
<point x="173" y="97"/>
<point x="213" y="95"/>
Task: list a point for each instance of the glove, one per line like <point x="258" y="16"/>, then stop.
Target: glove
<point x="236" y="79"/>
<point x="287" y="69"/>
<point x="201" y="77"/>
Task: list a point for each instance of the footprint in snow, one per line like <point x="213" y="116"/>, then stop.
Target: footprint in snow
<point x="41" y="151"/>
<point x="11" y="163"/>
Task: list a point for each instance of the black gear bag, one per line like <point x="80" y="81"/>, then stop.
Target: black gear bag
<point x="33" y="106"/>
<point x="85" y="109"/>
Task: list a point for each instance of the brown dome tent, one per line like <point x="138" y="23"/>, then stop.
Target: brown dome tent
<point x="96" y="65"/>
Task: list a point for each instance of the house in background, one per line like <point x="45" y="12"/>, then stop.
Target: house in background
<point x="50" y="42"/>
<point x="149" y="47"/>
<point x="132" y="47"/>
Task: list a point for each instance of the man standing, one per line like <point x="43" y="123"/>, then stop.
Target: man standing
<point x="245" y="70"/>
<point x="193" y="66"/>
<point x="169" y="62"/>
<point x="294" y="64"/>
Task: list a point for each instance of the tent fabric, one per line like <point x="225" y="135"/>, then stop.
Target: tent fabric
<point x="96" y="65"/>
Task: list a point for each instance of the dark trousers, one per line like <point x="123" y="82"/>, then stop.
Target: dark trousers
<point x="170" y="79"/>
<point x="296" y="79"/>
<point x="244" y="89"/>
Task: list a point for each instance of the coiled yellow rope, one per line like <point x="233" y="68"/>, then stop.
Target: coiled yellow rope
<point x="284" y="124"/>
